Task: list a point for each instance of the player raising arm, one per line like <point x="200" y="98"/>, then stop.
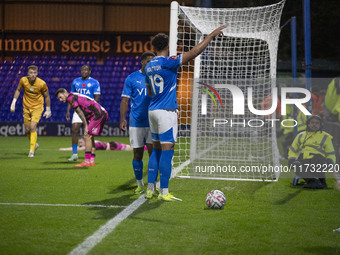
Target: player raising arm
<point x="35" y="89"/>
<point x="161" y="81"/>
<point x="92" y="114"/>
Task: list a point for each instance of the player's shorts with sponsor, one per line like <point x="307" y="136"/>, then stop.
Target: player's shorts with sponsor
<point x="76" y="118"/>
<point x="139" y="136"/>
<point x="163" y="125"/>
<point x="96" y="126"/>
<point x="32" y="114"/>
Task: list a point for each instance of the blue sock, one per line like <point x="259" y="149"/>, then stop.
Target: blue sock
<point x="165" y="167"/>
<point x="158" y="155"/>
<point x="75" y="148"/>
<point x="153" y="165"/>
<point x="138" y="169"/>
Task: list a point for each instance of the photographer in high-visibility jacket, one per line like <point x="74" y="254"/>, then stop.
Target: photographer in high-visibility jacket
<point x="311" y="154"/>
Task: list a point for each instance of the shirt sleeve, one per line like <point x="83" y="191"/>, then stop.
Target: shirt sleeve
<point x="73" y="101"/>
<point x="75" y="104"/>
<point x="127" y="88"/>
<point x="329" y="149"/>
<point x="97" y="88"/>
<point x="73" y="86"/>
<point x="173" y="62"/>
<point x="294" y="148"/>
<point x="44" y="87"/>
<point x="21" y="83"/>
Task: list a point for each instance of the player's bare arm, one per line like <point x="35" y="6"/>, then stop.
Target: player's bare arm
<point x="68" y="112"/>
<point x="48" y="112"/>
<point x="96" y="98"/>
<point x="83" y="119"/>
<point x="194" y="52"/>
<point x="15" y="97"/>
<point x="123" y="110"/>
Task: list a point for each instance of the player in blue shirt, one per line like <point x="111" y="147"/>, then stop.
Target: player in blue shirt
<point x="87" y="86"/>
<point x="161" y="81"/>
<point x="139" y="128"/>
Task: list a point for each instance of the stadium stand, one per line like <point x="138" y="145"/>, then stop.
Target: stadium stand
<point x="59" y="71"/>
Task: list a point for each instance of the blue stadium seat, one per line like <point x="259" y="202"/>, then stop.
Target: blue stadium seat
<point x="59" y="71"/>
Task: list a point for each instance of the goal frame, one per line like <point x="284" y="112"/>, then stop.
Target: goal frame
<point x="272" y="47"/>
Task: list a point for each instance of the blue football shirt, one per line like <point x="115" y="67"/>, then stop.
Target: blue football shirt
<point x="88" y="87"/>
<point x="135" y="89"/>
<point x="161" y="75"/>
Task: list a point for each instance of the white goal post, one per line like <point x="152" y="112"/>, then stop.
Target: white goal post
<point x="215" y="139"/>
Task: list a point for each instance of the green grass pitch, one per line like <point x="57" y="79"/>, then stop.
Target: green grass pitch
<point x="259" y="217"/>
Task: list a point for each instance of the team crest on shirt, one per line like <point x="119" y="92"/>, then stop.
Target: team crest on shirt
<point x="32" y="89"/>
<point x="94" y="130"/>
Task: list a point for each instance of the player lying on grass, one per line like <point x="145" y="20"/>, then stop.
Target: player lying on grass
<point x="93" y="116"/>
<point x="110" y="146"/>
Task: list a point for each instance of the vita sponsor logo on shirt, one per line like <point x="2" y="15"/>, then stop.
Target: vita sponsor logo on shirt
<point x="84" y="90"/>
<point x="142" y="91"/>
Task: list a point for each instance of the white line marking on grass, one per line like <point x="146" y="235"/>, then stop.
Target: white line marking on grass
<point x="106" y="229"/>
<point x="176" y="170"/>
<point x="70" y="205"/>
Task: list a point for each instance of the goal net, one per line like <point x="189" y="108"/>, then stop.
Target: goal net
<point x="219" y="135"/>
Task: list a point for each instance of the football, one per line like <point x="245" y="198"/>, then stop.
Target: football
<point x="215" y="199"/>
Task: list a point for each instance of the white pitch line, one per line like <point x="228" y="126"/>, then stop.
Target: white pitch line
<point x="103" y="231"/>
<point x="60" y="205"/>
<point x="106" y="229"/>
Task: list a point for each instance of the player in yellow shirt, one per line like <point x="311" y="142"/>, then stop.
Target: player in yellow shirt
<point x="35" y="89"/>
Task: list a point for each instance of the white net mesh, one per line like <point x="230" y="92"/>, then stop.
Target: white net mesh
<point x="213" y="141"/>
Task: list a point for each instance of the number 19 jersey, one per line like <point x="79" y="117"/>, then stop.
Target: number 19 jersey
<point x="161" y="75"/>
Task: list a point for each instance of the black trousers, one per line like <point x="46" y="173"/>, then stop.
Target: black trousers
<point x="315" y="167"/>
<point x="287" y="141"/>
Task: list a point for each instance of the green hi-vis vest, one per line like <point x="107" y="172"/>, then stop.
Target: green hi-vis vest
<point x="309" y="143"/>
